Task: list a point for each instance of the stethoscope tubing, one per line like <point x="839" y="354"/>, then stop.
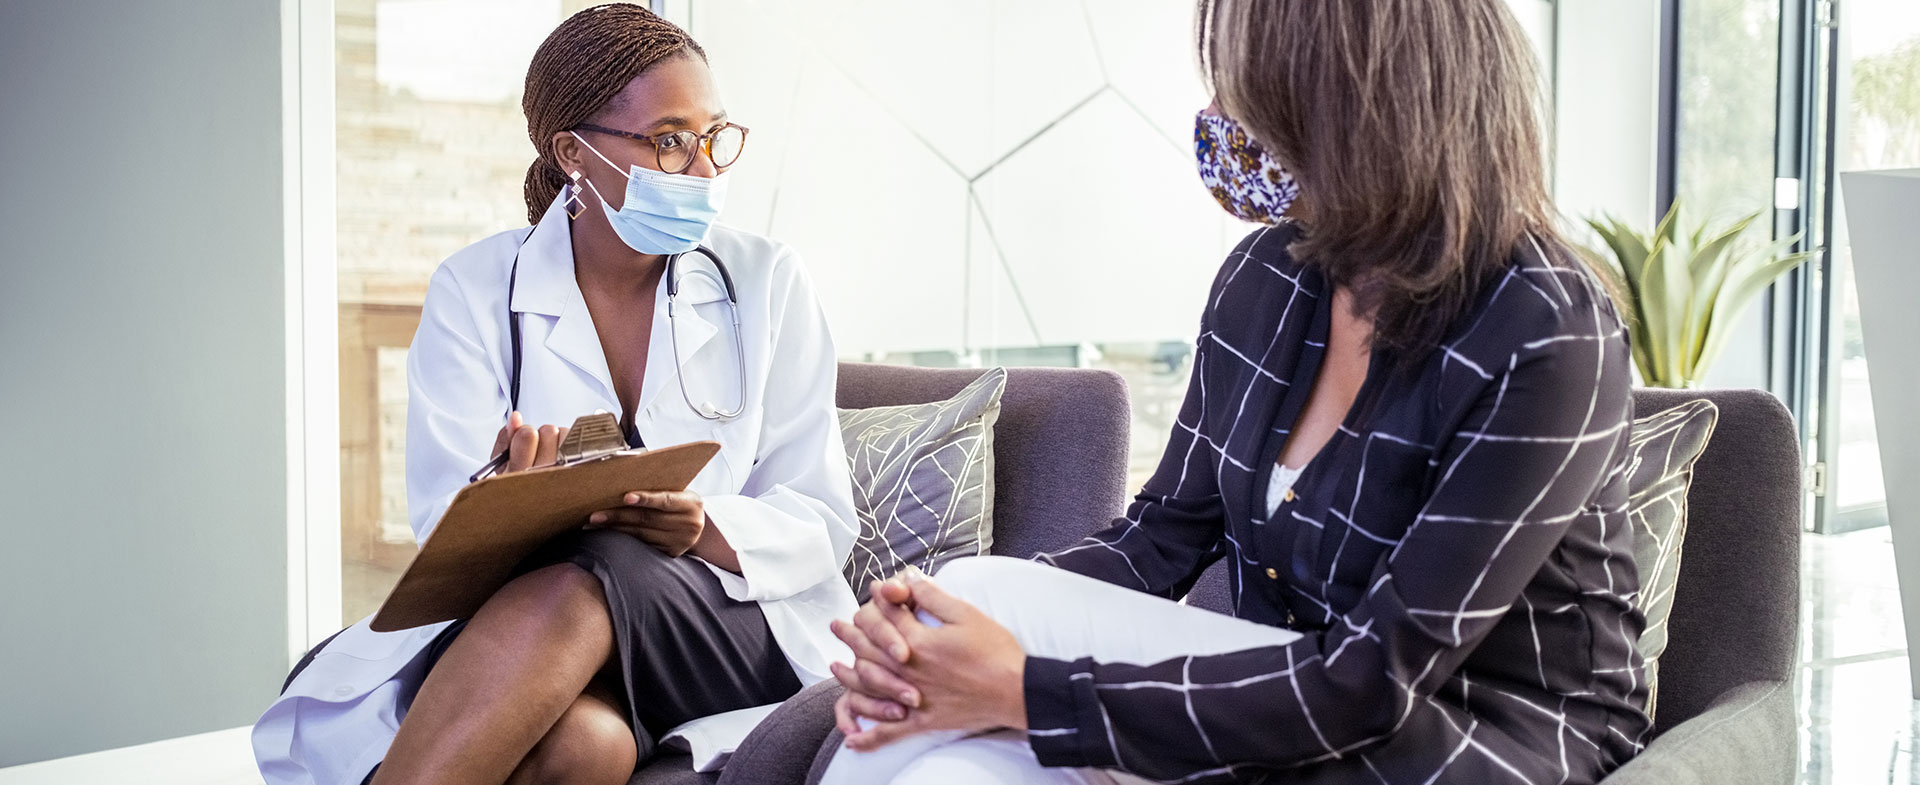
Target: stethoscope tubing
<point x="706" y="411"/>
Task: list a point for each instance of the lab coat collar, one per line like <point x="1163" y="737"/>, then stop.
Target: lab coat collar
<point x="545" y="284"/>
<point x="698" y="286"/>
<point x="543" y="278"/>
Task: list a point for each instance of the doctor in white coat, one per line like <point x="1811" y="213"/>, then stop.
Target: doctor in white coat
<point x="675" y="607"/>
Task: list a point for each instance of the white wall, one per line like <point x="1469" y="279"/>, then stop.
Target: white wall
<point x="1607" y="69"/>
<point x="143" y="576"/>
<point x="1093" y="227"/>
<point x="1024" y="177"/>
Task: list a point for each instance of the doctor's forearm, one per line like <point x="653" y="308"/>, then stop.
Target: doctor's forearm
<point x="713" y="548"/>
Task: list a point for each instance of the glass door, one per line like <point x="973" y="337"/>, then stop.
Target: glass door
<point x="1874" y="124"/>
<point x="431" y="150"/>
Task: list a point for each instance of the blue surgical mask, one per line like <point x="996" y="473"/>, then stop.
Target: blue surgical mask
<point x="663" y="213"/>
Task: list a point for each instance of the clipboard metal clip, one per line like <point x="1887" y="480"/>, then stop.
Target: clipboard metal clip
<point x="592" y="437"/>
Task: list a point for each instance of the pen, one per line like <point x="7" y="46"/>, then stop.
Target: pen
<point x="499" y="462"/>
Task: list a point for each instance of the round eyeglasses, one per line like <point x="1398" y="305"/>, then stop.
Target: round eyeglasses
<point x="674" y="151"/>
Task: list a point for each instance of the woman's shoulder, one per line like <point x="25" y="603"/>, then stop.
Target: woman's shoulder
<point x="481" y="266"/>
<point x="762" y="268"/>
<point x="750" y="254"/>
<point x="1270" y="246"/>
<point x="1259" y="271"/>
<point x="1545" y="295"/>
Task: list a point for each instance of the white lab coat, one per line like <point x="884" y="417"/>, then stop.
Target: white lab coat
<point x="779" y="488"/>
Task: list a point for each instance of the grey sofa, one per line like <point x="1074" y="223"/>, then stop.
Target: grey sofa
<point x="1059" y="474"/>
<point x="1726" y="713"/>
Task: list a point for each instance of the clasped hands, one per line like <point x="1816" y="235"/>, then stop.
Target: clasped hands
<point x="964" y="673"/>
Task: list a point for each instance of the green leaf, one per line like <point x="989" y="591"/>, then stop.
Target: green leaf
<point x="1706" y="256"/>
<point x="1669" y="224"/>
<point x="1739" y="293"/>
<point x="1663" y="297"/>
<point x="1637" y="336"/>
<point x="1629" y="252"/>
<point x="1709" y="269"/>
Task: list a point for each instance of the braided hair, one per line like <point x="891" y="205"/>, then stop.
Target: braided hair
<point x="583" y="65"/>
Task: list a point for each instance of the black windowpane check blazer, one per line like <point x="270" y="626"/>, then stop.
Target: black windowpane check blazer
<point x="1457" y="557"/>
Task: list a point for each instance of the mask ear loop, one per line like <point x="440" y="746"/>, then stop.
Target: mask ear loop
<point x="609" y="162"/>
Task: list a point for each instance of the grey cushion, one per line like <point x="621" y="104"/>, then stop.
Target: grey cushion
<point x="1749" y="735"/>
<point x="1736" y="611"/>
<point x="922" y="481"/>
<point x="1660" y="457"/>
<point x="1059" y="450"/>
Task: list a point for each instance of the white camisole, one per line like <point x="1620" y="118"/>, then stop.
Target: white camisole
<point x="1277" y="487"/>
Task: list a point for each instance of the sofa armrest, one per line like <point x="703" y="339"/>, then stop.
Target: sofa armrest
<point x="1748" y="735"/>
<point x="781" y="750"/>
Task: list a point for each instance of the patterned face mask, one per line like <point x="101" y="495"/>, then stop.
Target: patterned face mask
<point x="1243" y="178"/>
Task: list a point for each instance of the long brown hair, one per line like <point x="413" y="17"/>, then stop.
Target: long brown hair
<point x="582" y="65"/>
<point x="1414" y="130"/>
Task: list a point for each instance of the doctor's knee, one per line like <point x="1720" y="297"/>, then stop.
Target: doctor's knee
<point x="589" y="745"/>
<point x="562" y="594"/>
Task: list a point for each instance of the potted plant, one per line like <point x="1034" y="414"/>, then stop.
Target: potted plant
<point x="1684" y="291"/>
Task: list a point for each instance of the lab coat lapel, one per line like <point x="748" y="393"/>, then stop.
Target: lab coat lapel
<point x="575" y="340"/>
<point x="545" y="285"/>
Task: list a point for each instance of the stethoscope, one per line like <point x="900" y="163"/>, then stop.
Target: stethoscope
<point x="707" y="409"/>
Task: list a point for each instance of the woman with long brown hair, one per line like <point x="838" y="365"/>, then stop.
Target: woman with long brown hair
<point x="1405" y="433"/>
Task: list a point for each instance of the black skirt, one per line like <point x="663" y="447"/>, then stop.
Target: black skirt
<point x="684" y="649"/>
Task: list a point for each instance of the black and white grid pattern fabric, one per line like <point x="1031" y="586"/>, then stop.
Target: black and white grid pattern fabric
<point x="1458" y="555"/>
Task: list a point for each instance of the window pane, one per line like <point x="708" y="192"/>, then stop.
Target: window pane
<point x="1878" y="128"/>
<point x="1729" y="62"/>
<point x="432" y="148"/>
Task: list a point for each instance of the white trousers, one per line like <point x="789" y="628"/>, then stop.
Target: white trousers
<point x="1057" y="615"/>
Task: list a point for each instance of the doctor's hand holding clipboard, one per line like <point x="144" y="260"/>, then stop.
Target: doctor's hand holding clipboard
<point x="672" y="522"/>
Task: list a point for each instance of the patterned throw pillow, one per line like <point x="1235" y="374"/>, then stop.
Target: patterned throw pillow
<point x="922" y="481"/>
<point x="1661" y="453"/>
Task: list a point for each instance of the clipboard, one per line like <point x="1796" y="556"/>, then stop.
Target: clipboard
<point x="494" y="524"/>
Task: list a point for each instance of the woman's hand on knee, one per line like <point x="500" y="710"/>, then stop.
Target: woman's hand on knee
<point x="969" y="669"/>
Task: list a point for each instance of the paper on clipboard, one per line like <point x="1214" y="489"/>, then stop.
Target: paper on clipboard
<point x="493" y="524"/>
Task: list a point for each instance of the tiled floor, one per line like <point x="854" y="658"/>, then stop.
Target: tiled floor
<point x="1857" y="714"/>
